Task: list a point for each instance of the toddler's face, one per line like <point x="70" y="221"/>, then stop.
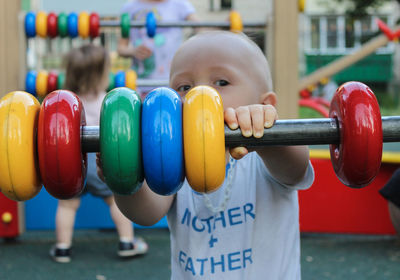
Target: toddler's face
<point x="223" y="67"/>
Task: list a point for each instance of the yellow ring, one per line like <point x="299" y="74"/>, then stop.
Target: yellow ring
<point x="236" y="22"/>
<point x="130" y="79"/>
<point x="83" y="25"/>
<point x="204" y="139"/>
<point x="19" y="176"/>
<point x="41" y="24"/>
<point x="41" y="84"/>
<point x="302" y="5"/>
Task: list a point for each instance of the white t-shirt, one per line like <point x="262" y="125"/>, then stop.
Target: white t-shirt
<point x="256" y="237"/>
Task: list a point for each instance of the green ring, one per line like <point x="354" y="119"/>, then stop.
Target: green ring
<point x="111" y="82"/>
<point x="120" y="141"/>
<point x="62" y="23"/>
<point x="60" y="81"/>
<point x="125" y="25"/>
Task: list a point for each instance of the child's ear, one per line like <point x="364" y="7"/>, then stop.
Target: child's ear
<point x="268" y="98"/>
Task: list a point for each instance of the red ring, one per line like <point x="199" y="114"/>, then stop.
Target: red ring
<point x="51" y="82"/>
<point x="52" y="30"/>
<point x="62" y="165"/>
<point x="94" y="25"/>
<point x="357" y="159"/>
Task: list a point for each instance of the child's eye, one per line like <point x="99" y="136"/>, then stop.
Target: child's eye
<point x="221" y="83"/>
<point x="183" y="88"/>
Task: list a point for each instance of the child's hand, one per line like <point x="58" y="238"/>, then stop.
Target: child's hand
<point x="99" y="167"/>
<point x="252" y="120"/>
<point x="142" y="52"/>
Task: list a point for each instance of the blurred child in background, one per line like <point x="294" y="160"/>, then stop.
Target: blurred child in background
<point x="151" y="57"/>
<point x="87" y="70"/>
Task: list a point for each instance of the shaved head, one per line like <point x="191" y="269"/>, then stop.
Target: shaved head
<point x="233" y="46"/>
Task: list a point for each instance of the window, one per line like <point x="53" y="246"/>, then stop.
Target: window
<point x="226" y="4"/>
<point x="332" y="33"/>
<point x="315" y="35"/>
<point x="349" y="33"/>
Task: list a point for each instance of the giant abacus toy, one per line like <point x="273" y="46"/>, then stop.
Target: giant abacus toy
<point x="148" y="140"/>
<point x="87" y="25"/>
<point x="40" y="83"/>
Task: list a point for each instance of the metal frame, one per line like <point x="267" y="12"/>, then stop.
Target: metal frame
<point x="283" y="133"/>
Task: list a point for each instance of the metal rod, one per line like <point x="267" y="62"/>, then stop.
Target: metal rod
<point x="151" y="83"/>
<point x="181" y="24"/>
<point x="283" y="133"/>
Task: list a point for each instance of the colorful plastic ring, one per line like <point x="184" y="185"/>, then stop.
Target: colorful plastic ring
<point x="73" y="25"/>
<point x="120" y="147"/>
<point x="111" y="81"/>
<point x="302" y="5"/>
<point x="83" y="25"/>
<point x="130" y="79"/>
<point x="19" y="174"/>
<point x="119" y="79"/>
<point x="357" y="159"/>
<point x="204" y="139"/>
<point x="94" y="23"/>
<point x="60" y="81"/>
<point x="41" y="24"/>
<point x="125" y="25"/>
<point x="236" y="22"/>
<point x="41" y="84"/>
<point x="52" y="27"/>
<point x="151" y="24"/>
<point x="62" y="23"/>
<point x="62" y="164"/>
<point x="30" y="82"/>
<point x="30" y="25"/>
<point x="162" y="141"/>
<point x="52" y="82"/>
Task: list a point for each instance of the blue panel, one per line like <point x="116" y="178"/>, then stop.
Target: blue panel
<point x="40" y="213"/>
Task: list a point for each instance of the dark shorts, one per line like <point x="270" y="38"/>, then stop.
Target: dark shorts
<point x="391" y="190"/>
<point x="94" y="185"/>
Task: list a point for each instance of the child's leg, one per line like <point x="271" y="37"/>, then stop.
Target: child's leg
<point x="123" y="224"/>
<point x="65" y="220"/>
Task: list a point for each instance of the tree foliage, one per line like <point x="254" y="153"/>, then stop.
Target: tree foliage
<point x="359" y="8"/>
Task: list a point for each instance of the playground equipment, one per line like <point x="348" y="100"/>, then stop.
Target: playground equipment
<point x="355" y="131"/>
<point x="41" y="83"/>
<point x="85" y="25"/>
<point x="345" y="61"/>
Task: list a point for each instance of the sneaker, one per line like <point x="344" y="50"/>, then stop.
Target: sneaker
<point x="130" y="249"/>
<point x="60" y="255"/>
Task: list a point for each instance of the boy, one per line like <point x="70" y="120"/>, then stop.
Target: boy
<point x="256" y="236"/>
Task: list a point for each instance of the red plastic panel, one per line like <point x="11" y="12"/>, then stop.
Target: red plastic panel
<point x="331" y="207"/>
<point x="10" y="229"/>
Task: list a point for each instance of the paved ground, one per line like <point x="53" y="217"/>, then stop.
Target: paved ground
<point x="94" y="257"/>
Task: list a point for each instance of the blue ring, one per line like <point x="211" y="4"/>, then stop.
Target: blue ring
<point x="30" y="25"/>
<point x="162" y="141"/>
<point x="30" y="82"/>
<point x="119" y="79"/>
<point x="151" y="24"/>
<point x="72" y="24"/>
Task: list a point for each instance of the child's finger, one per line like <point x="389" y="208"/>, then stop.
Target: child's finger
<point x="244" y="119"/>
<point x="230" y="118"/>
<point x="238" y="152"/>
<point x="270" y="115"/>
<point x="257" y="119"/>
